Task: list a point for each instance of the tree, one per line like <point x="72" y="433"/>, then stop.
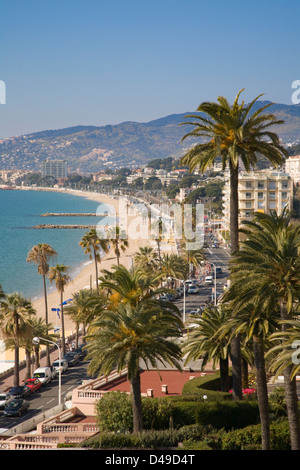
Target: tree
<point x="40" y="255"/>
<point x="266" y="269"/>
<point x="59" y="275"/>
<point x="204" y="341"/>
<point x="173" y="266"/>
<point x="122" y="337"/>
<point x="83" y="308"/>
<point x="235" y="134"/>
<point x="93" y="246"/>
<point x="117" y="238"/>
<point x="146" y="258"/>
<point x="15" y="313"/>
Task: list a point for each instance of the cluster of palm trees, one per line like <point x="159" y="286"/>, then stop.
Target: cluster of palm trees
<point x="261" y="304"/>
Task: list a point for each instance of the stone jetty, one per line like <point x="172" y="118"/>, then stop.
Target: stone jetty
<point x="61" y="226"/>
<point x="55" y="214"/>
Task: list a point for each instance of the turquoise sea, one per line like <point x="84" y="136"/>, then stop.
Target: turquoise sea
<point x="19" y="212"/>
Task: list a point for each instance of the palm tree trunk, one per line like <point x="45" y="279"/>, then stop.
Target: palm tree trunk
<point x="96" y="270"/>
<point x="46" y="318"/>
<point x="17" y="353"/>
<point x="291" y="394"/>
<point x="28" y="363"/>
<point x="262" y="391"/>
<point x="245" y="373"/>
<point x="224" y="377"/>
<point x="135" y="390"/>
<point x="234" y="243"/>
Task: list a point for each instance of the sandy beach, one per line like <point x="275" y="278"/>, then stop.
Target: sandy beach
<point x="87" y="274"/>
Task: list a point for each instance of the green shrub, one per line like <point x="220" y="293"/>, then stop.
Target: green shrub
<point x="114" y="412"/>
<point x="157" y="413"/>
<point x="145" y="440"/>
<point x="227" y="415"/>
<point x="190" y="444"/>
<point x="206" y="388"/>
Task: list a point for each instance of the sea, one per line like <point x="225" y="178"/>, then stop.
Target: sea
<point x="20" y="211"/>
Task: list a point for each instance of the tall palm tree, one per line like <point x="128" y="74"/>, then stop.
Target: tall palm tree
<point x="59" y="275"/>
<point x="117" y="238"/>
<point x="122" y="337"/>
<point x="40" y="255"/>
<point x="205" y="342"/>
<point x="174" y="266"/>
<point x="234" y="133"/>
<point x="267" y="269"/>
<point x="15" y="313"/>
<point x="93" y="245"/>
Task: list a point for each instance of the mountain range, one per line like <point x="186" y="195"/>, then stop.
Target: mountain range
<point x="90" y="149"/>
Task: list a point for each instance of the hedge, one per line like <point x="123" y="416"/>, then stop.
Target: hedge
<point x="206" y="388"/>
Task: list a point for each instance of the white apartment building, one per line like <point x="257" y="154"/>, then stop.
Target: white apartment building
<point x="292" y="167"/>
<point x="259" y="191"/>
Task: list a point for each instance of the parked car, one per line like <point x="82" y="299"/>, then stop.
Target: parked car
<point x="16" y="407"/>
<point x="63" y="365"/>
<point x="81" y="351"/>
<point x="5" y="399"/>
<point x="193" y="289"/>
<point x="72" y="358"/>
<point x="33" y="384"/>
<point x="44" y="374"/>
<point x="20" y="392"/>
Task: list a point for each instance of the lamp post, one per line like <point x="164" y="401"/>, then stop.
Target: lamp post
<point x="215" y="294"/>
<point x="37" y="340"/>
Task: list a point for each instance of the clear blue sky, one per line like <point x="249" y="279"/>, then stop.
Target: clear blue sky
<point x="70" y="62"/>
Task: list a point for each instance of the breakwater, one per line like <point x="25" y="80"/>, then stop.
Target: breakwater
<point x="59" y="226"/>
<point x="64" y="214"/>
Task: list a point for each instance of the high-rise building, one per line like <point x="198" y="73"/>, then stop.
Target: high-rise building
<point x="292" y="167"/>
<point x="56" y="168"/>
<point x="259" y="191"/>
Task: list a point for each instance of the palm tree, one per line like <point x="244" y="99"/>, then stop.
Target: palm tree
<point x="256" y="323"/>
<point x="93" y="246"/>
<point x="59" y="275"/>
<point x="146" y="258"/>
<point x="173" y="266"/>
<point x="266" y="269"/>
<point x="40" y="255"/>
<point x="234" y="134"/>
<point x="205" y="342"/>
<point x="15" y="313"/>
<point x="127" y="334"/>
<point x="39" y="328"/>
<point x="117" y="238"/>
<point x="82" y="308"/>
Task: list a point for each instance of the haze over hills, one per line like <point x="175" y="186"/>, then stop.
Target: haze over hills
<point x="129" y="144"/>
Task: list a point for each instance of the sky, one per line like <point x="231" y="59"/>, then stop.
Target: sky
<point x="95" y="62"/>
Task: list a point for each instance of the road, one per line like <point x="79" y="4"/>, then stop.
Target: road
<point x="219" y="257"/>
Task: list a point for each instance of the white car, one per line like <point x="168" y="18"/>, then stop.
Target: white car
<point x="62" y="366"/>
<point x="208" y="280"/>
<point x="193" y="290"/>
<point x="5" y="399"/>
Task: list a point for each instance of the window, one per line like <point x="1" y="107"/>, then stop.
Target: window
<point x="284" y="195"/>
<point x="260" y="205"/>
<point x="260" y="185"/>
<point x="260" y="195"/>
<point x="272" y="205"/>
<point x="248" y="195"/>
<point x="272" y="195"/>
<point x="284" y="185"/>
<point x="248" y="184"/>
<point x="272" y="184"/>
<point x="248" y="205"/>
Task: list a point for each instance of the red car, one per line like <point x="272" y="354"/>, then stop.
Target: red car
<point x="34" y="384"/>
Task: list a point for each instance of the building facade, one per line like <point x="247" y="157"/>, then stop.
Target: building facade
<point x="55" y="168"/>
<point x="259" y="191"/>
<point x="292" y="167"/>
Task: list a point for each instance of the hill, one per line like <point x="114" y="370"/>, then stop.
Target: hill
<point x="92" y="148"/>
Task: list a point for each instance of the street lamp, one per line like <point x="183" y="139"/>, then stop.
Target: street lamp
<point x="215" y="294"/>
<point x="37" y="340"/>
